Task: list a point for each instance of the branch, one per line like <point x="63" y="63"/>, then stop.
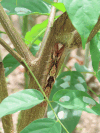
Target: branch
<point x="62" y="32"/>
<point x="11" y="51"/>
<point x="36" y="112"/>
<point x="14" y="36"/>
<point x="64" y="29"/>
<point x="6" y="120"/>
<point x="48" y="29"/>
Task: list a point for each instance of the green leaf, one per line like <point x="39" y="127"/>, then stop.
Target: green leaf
<point x="72" y="79"/>
<point x="98" y="44"/>
<point x="21" y="100"/>
<point x="95" y="54"/>
<point x="25" y="7"/>
<point x="67" y="116"/>
<point x="2" y="32"/>
<point x="10" y="63"/>
<point x="99" y="99"/>
<point x="98" y="75"/>
<point x="58" y="5"/>
<point x="74" y="99"/>
<point x="81" y="68"/>
<point x="31" y="35"/>
<point x="44" y="125"/>
<point x="84" y="15"/>
<point x="35" y="36"/>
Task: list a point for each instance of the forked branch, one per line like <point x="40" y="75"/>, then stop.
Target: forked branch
<point x="14" y="36"/>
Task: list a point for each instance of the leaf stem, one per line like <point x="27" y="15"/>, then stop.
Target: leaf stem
<point x="90" y="73"/>
<point x="2" y="32"/>
<point x="11" y="51"/>
<point x="68" y="68"/>
<point x="92" y="91"/>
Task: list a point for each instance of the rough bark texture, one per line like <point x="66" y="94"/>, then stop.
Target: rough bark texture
<point x="15" y="37"/>
<point x="62" y="32"/>
<point x="6" y="120"/>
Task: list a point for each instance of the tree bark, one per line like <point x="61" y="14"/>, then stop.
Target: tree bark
<point x="6" y="120"/>
<point x="62" y="32"/>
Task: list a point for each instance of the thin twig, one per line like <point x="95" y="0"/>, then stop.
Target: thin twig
<point x="68" y="68"/>
<point x="90" y="73"/>
<point x="11" y="51"/>
<point x="48" y="29"/>
<point x="92" y="91"/>
<point x="14" y="36"/>
<point x="2" y="32"/>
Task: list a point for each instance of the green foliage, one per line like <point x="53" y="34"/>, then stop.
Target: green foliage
<point x="95" y="54"/>
<point x="74" y="99"/>
<point x="83" y="14"/>
<point x="69" y="94"/>
<point x="44" y="125"/>
<point x="35" y="31"/>
<point x="25" y="7"/>
<point x="21" y="100"/>
<point x="59" y="5"/>
<point x="98" y="75"/>
<point x="68" y="117"/>
<point x="81" y="68"/>
<point x="72" y="79"/>
<point x="85" y="11"/>
<point x="2" y="32"/>
<point x="10" y="63"/>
